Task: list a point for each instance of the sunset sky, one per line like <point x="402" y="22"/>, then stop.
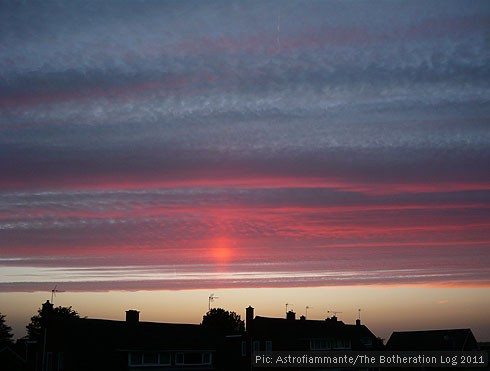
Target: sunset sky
<point x="326" y="153"/>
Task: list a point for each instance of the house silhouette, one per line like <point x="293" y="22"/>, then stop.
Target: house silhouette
<point x="76" y="344"/>
<point x="10" y="360"/>
<point x="265" y="334"/>
<point x="433" y="340"/>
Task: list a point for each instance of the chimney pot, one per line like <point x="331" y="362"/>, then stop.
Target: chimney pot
<point x="291" y="315"/>
<point x="249" y="318"/>
<point x="132" y="316"/>
<point x="47" y="307"/>
<point x="358" y="322"/>
<point x="47" y="313"/>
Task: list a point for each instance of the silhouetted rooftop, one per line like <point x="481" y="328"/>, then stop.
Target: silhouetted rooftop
<point x="451" y="339"/>
<point x="140" y="335"/>
<point x="283" y="328"/>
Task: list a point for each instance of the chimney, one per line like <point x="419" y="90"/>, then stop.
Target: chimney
<point x="249" y="318"/>
<point x="47" y="313"/>
<point x="132" y="316"/>
<point x="291" y="315"/>
<point x="358" y="322"/>
<point x="47" y="308"/>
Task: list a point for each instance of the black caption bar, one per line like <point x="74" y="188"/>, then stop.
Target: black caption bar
<point x="370" y="359"/>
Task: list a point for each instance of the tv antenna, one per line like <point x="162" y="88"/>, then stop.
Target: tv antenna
<point x="334" y="312"/>
<point x="53" y="293"/>
<point x="287" y="305"/>
<point x="211" y="299"/>
<point x="306" y="311"/>
<point x="359" y="313"/>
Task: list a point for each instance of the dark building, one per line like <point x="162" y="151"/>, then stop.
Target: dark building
<point x="433" y="340"/>
<point x="10" y="360"/>
<point x="74" y="344"/>
<point x="265" y="334"/>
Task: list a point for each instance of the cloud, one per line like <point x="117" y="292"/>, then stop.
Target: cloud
<point x="155" y="128"/>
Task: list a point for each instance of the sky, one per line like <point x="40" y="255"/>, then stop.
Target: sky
<point x="165" y="150"/>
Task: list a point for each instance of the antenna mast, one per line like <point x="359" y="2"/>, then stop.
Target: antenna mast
<point x="53" y="293"/>
<point x="306" y="311"/>
<point x="211" y="299"/>
<point x="334" y="312"/>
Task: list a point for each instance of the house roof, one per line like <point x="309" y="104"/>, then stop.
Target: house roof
<point x="135" y="336"/>
<point x="7" y="351"/>
<point x="10" y="360"/>
<point x="281" y="328"/>
<point x="450" y="339"/>
<point x="309" y="328"/>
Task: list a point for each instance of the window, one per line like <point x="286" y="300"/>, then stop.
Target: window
<point x="61" y="365"/>
<point x="366" y="341"/>
<point x="164" y="358"/>
<point x="135" y="358"/>
<point x="193" y="358"/>
<point x="150" y="358"/>
<point x="179" y="359"/>
<point x="268" y="346"/>
<point x="244" y="348"/>
<point x="342" y="344"/>
<point x="256" y="346"/>
<point x="49" y="361"/>
<point x="319" y="344"/>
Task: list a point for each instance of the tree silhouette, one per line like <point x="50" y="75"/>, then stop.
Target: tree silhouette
<point x="5" y="332"/>
<point x="34" y="327"/>
<point x="227" y="323"/>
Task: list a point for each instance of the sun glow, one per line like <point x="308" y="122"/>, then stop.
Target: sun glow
<point x="221" y="250"/>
